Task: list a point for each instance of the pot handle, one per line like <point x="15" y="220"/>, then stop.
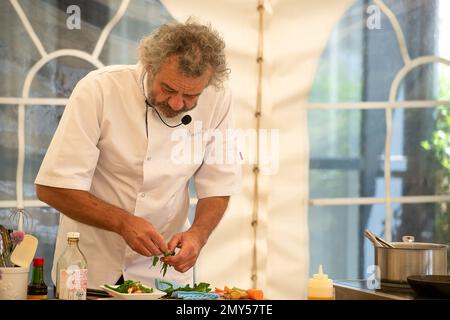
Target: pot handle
<point x="408" y="239"/>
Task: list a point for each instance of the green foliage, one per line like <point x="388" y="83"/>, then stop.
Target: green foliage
<point x="201" y="287"/>
<point x="124" y="287"/>
<point x="440" y="140"/>
<point x="164" y="265"/>
<point x="439" y="145"/>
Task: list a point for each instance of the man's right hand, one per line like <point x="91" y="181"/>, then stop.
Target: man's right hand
<point x="84" y="207"/>
<point x="142" y="237"/>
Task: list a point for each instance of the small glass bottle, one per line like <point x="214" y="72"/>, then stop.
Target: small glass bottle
<point x="71" y="271"/>
<point x="37" y="289"/>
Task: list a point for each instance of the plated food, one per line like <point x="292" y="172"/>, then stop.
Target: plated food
<point x="200" y="291"/>
<point x="133" y="290"/>
<point x="237" y="293"/>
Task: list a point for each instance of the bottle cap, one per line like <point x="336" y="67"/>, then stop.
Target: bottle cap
<point x="320" y="279"/>
<point x="320" y="275"/>
<point x="73" y="235"/>
<point x="38" y="262"/>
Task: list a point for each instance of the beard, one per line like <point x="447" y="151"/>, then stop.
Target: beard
<point x="164" y="106"/>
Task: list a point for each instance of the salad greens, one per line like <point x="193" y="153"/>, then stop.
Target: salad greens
<point x="201" y="287"/>
<point x="164" y="264"/>
<point x="131" y="286"/>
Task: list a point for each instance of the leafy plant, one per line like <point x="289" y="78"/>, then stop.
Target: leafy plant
<point x="201" y="287"/>
<point x="130" y="286"/>
<point x="164" y="264"/>
<point x="439" y="144"/>
<point x="440" y="140"/>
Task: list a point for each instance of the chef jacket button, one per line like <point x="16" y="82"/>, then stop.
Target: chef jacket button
<point x="142" y="194"/>
<point x="149" y="158"/>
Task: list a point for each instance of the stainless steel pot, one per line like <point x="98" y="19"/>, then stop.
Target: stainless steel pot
<point x="410" y="258"/>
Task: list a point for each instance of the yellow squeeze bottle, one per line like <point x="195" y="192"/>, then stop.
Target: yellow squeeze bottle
<point x="320" y="287"/>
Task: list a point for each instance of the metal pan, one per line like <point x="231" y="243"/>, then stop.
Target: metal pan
<point x="430" y="286"/>
<point x="410" y="258"/>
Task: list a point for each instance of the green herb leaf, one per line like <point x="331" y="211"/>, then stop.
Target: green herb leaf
<point x="123" y="288"/>
<point x="164" y="265"/>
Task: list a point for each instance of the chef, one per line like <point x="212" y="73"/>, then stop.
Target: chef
<point x="112" y="168"/>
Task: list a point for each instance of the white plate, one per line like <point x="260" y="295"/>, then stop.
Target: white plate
<point x="156" y="294"/>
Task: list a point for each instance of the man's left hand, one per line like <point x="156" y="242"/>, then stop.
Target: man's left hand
<point x="190" y="243"/>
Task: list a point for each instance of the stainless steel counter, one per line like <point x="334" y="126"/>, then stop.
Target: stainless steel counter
<point x="358" y="290"/>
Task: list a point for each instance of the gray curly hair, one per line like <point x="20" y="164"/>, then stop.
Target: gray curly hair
<point x="198" y="47"/>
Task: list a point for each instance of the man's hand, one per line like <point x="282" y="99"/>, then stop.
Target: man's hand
<point x="208" y="213"/>
<point x="190" y="244"/>
<point x="142" y="237"/>
<point x="84" y="207"/>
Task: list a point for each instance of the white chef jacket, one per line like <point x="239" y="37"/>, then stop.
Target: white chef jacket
<point x="101" y="146"/>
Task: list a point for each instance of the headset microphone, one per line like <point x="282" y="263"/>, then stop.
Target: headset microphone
<point x="186" y="119"/>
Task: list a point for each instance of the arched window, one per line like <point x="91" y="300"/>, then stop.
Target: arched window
<point x="43" y="54"/>
<point x="380" y="95"/>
